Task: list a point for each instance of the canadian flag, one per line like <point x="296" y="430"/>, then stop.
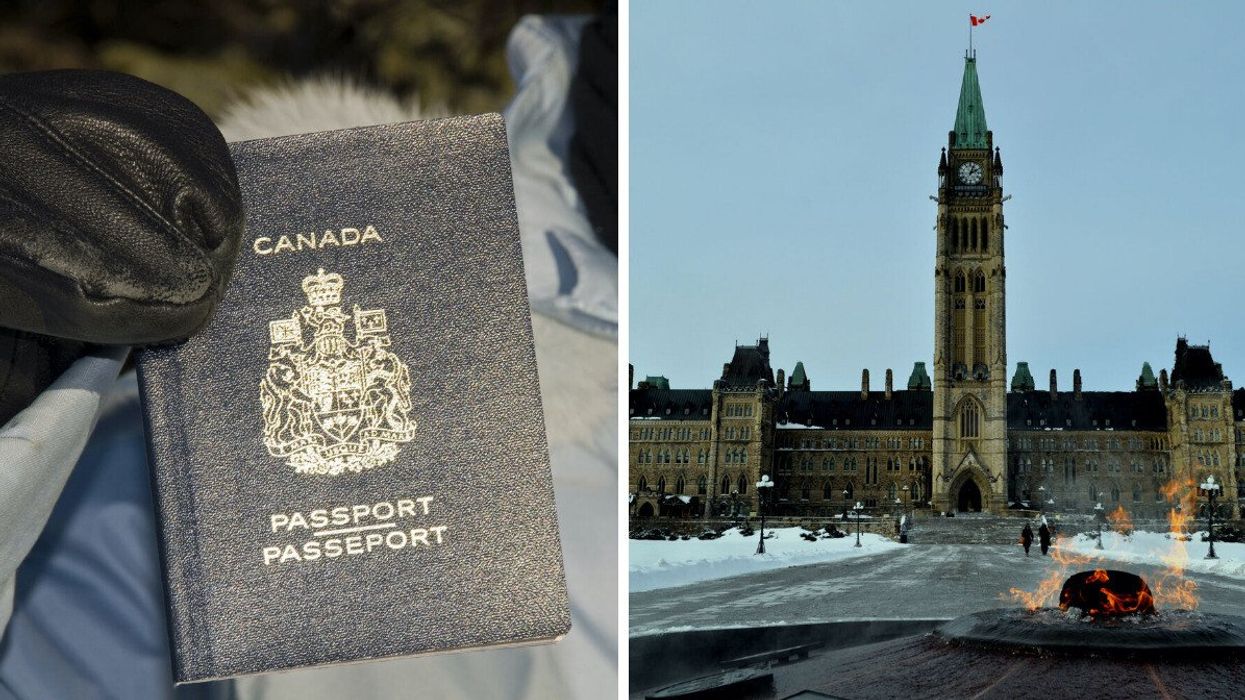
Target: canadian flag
<point x="975" y="20"/>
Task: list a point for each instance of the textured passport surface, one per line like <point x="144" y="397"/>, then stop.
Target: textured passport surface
<point x="349" y="459"/>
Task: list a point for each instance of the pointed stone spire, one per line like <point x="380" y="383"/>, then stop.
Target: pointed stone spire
<point x="864" y="384"/>
<point x="970" y="115"/>
<point x="1076" y="384"/>
<point x="1146" y="381"/>
<point x="1054" y="386"/>
<point x="890" y="379"/>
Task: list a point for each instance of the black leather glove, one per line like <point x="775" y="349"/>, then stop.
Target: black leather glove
<point x="120" y="218"/>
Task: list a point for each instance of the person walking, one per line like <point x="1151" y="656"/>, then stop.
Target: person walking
<point x="1044" y="537"/>
<point x="1026" y="538"/>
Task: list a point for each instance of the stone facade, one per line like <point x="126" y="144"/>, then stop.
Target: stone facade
<point x="961" y="440"/>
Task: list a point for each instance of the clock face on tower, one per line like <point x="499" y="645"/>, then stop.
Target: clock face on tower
<point x="970" y="173"/>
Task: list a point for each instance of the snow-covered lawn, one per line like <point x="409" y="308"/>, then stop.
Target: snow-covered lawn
<point x="1152" y="547"/>
<point x="662" y="564"/>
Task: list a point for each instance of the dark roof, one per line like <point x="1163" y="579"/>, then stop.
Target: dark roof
<point x="1238" y="403"/>
<point x="672" y="404"/>
<point x="845" y="409"/>
<point x="749" y="365"/>
<point x="1110" y="409"/>
<point x="1195" y="367"/>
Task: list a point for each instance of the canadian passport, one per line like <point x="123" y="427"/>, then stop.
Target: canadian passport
<point x="349" y="459"/>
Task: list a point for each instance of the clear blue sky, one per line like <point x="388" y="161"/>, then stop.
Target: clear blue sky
<point x="782" y="159"/>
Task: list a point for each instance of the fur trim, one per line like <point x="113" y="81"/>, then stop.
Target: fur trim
<point x="321" y="103"/>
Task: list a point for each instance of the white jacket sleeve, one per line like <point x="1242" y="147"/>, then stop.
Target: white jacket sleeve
<point x="38" y="450"/>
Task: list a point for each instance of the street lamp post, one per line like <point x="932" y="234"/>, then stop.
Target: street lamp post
<point x="1098" y="516"/>
<point x="1042" y="500"/>
<point x="859" y="507"/>
<point x="1210" y="490"/>
<point x="907" y="503"/>
<point x="763" y="486"/>
<point x="846" y="503"/>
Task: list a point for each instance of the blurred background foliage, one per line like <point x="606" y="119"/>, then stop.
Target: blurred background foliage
<point x="449" y="53"/>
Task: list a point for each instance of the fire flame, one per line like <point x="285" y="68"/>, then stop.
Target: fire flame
<point x="1048" y="588"/>
<point x="1170" y="589"/>
<point x="1120" y="522"/>
<point x="1098" y="595"/>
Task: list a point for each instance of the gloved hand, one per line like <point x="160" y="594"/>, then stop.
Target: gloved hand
<point x="120" y="218"/>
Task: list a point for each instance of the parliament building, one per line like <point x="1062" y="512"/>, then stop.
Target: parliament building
<point x="958" y="436"/>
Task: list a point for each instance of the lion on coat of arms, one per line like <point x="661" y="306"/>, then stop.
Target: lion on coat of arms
<point x="333" y="404"/>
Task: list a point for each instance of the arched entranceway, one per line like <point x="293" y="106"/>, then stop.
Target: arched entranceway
<point x="968" y="499"/>
<point x="646" y="510"/>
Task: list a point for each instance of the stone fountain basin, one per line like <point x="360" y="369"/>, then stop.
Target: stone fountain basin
<point x="1051" y="630"/>
<point x="1010" y="654"/>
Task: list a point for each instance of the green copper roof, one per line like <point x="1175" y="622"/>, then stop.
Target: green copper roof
<point x="657" y="382"/>
<point x="970" y="116"/>
<point x="1147" y="380"/>
<point x="798" y="378"/>
<point x="1022" y="380"/>
<point x="919" y="379"/>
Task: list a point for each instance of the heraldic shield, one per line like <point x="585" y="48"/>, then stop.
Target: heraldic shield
<point x="334" y="404"/>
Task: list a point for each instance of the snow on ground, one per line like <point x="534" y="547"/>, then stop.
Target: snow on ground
<point x="662" y="564"/>
<point x="1154" y="547"/>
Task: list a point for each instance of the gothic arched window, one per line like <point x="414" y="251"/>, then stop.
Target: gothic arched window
<point x="743" y="484"/>
<point x="973" y="235"/>
<point x="979" y="282"/>
<point x="827" y="492"/>
<point x="680" y="485"/>
<point x="963" y="234"/>
<point x="642" y="485"/>
<point x="702" y="485"/>
<point x="661" y="484"/>
<point x="970" y="419"/>
<point x="985" y="234"/>
<point x="959" y="282"/>
<point x="726" y="484"/>
<point x="953" y="234"/>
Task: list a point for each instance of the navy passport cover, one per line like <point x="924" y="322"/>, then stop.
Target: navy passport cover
<point x="349" y="459"/>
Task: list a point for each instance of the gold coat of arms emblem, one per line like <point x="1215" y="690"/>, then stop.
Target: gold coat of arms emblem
<point x="332" y="404"/>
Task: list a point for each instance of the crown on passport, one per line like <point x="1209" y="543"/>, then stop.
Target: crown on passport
<point x="322" y="289"/>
